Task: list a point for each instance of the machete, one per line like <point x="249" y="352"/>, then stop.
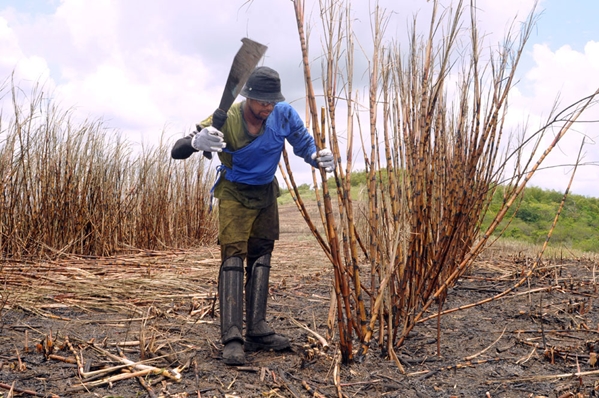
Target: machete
<point x="244" y="63"/>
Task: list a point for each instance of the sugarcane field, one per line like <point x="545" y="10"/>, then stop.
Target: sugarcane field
<point x="396" y="270"/>
<point x="146" y="324"/>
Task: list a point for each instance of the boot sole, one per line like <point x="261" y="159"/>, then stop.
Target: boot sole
<point x="252" y="347"/>
<point x="233" y="362"/>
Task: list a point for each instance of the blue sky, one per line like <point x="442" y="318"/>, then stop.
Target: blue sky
<point x="568" y="22"/>
<point x="154" y="68"/>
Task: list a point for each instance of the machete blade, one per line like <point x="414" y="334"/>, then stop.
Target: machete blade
<point x="244" y="63"/>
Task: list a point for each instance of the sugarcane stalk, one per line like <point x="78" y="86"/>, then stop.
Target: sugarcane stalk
<point x="350" y="238"/>
<point x="432" y="166"/>
<point x="537" y="262"/>
<point x="471" y="255"/>
<point x="341" y="288"/>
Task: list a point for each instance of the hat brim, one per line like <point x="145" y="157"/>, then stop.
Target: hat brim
<point x="262" y="96"/>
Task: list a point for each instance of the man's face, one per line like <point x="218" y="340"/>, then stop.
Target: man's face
<point x="260" y="109"/>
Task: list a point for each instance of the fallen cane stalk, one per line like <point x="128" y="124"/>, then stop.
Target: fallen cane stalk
<point x="172" y="374"/>
<point x="94" y="374"/>
<point x="314" y="393"/>
<point x="323" y="342"/>
<point x="468" y="358"/>
<point x="146" y="387"/>
<point x="62" y="359"/>
<point x="524" y="360"/>
<point x="121" y="376"/>
<point x="11" y="390"/>
<point x="546" y="377"/>
<point x="454" y="367"/>
<point x="336" y="377"/>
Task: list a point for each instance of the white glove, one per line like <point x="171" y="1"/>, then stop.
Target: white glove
<point x="325" y="159"/>
<point x="208" y="140"/>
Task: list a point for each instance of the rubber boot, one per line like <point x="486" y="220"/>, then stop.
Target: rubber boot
<point x="259" y="335"/>
<point x="230" y="293"/>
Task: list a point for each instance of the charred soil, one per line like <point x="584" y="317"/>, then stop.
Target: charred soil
<point x="63" y="320"/>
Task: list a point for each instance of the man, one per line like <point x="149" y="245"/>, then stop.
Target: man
<point x="249" y="147"/>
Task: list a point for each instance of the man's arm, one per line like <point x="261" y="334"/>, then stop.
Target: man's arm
<point x="305" y="147"/>
<point x="213" y="142"/>
<point x="300" y="138"/>
<point x="182" y="148"/>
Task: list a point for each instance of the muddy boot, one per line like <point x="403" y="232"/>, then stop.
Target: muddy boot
<point x="260" y="335"/>
<point x="230" y="293"/>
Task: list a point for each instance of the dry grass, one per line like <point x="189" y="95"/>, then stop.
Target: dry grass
<point x="527" y="250"/>
<point x="73" y="187"/>
<point x="124" y="284"/>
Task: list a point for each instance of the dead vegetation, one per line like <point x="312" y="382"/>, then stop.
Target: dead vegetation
<point x="146" y="324"/>
<point x="75" y="187"/>
<point x="435" y="153"/>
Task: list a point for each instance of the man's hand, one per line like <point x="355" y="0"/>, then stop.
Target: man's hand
<point x="208" y="140"/>
<point x="325" y="159"/>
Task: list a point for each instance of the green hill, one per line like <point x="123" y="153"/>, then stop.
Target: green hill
<point x="577" y="228"/>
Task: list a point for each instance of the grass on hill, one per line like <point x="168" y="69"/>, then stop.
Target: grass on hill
<point x="577" y="229"/>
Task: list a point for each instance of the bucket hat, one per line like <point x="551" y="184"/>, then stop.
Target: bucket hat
<point x="263" y="84"/>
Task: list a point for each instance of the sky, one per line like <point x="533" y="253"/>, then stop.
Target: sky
<point x="151" y="69"/>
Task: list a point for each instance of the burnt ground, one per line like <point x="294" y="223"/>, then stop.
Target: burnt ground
<point x="539" y="341"/>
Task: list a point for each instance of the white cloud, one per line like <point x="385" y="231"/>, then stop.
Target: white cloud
<point x="26" y="72"/>
<point x="559" y="78"/>
<point x="565" y="71"/>
<point x="144" y="66"/>
<point x="110" y="66"/>
<point x="92" y="26"/>
<point x="26" y="68"/>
